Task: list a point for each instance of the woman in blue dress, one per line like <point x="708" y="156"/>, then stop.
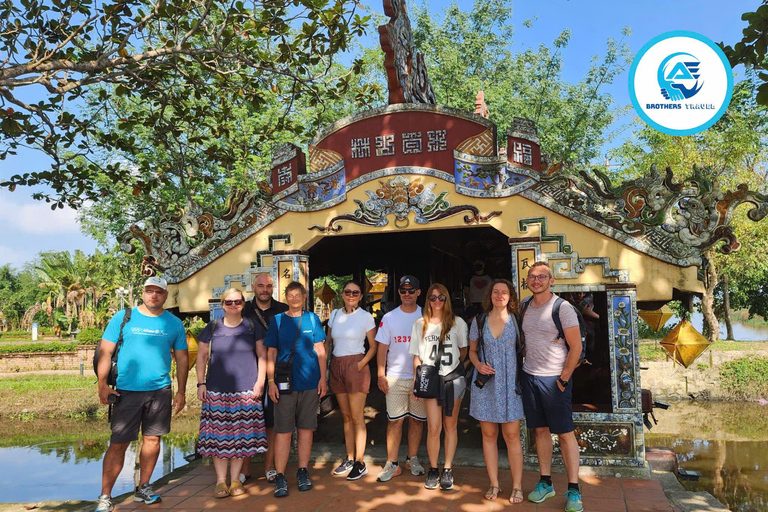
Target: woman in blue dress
<point x="497" y="402"/>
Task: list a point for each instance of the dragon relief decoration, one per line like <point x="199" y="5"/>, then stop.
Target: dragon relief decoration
<point x="407" y="76"/>
<point x="674" y="221"/>
<point x="177" y="244"/>
<point x="400" y="196"/>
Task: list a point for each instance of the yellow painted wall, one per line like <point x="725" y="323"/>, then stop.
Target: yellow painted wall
<point x="655" y="279"/>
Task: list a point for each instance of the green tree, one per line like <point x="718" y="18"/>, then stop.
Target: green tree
<point x="750" y="51"/>
<point x="732" y="151"/>
<point x="469" y="51"/>
<point x="160" y="54"/>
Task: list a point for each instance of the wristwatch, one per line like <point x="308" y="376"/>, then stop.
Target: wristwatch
<point x="562" y="382"/>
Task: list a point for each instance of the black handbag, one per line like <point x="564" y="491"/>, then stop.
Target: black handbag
<point x="284" y="369"/>
<point x="428" y="380"/>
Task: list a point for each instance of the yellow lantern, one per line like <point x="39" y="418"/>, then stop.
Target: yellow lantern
<point x="656" y="318"/>
<point x="684" y="344"/>
<point x="325" y="294"/>
<point x="191" y="348"/>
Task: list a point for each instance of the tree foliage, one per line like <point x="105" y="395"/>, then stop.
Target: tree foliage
<point x="733" y="151"/>
<point x="469" y="51"/>
<point x="751" y="50"/>
<point x="179" y="59"/>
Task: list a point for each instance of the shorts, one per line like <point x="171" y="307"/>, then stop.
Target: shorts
<point x="459" y="387"/>
<point x="150" y="410"/>
<point x="346" y="378"/>
<point x="401" y="402"/>
<point x="545" y="405"/>
<point x="269" y="409"/>
<point x="296" y="410"/>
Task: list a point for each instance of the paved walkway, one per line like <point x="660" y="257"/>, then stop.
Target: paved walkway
<point x="193" y="492"/>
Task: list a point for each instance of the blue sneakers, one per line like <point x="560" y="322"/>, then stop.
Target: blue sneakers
<point x="573" y="501"/>
<point x="541" y="492"/>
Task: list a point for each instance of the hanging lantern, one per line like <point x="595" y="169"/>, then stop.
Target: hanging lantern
<point x="684" y="344"/>
<point x="325" y="294"/>
<point x="191" y="348"/>
<point x="656" y="318"/>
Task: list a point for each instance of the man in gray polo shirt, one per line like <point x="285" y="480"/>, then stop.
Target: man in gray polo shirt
<point x="546" y="382"/>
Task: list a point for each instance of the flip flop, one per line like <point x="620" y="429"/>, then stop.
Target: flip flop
<point x="221" y="491"/>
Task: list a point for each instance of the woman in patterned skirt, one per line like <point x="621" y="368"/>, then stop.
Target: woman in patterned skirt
<point x="232" y="419"/>
<point x="498" y="402"/>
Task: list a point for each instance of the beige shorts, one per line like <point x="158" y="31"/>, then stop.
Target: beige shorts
<point x="401" y="402"/>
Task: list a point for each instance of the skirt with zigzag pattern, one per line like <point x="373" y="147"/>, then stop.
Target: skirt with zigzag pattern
<point x="231" y="425"/>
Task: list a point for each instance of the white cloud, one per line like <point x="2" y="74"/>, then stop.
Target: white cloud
<point x="12" y="256"/>
<point x="36" y="218"/>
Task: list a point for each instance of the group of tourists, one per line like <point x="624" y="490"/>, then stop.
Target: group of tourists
<point x="261" y="373"/>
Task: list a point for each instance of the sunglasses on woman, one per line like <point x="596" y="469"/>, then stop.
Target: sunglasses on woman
<point x="435" y="298"/>
<point x="352" y="293"/>
<point x="236" y="302"/>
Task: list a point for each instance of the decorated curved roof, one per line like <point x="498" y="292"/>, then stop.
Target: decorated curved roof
<point x="675" y="222"/>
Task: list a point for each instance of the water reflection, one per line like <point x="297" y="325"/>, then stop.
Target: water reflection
<point x="735" y="472"/>
<point x="71" y="469"/>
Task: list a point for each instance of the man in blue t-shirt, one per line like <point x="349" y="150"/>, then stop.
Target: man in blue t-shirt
<point x="143" y="395"/>
<point x="295" y="336"/>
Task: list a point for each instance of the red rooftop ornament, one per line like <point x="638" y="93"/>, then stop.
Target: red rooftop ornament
<point x="407" y="77"/>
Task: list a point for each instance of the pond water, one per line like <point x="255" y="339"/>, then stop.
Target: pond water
<point x="70" y="469"/>
<point x="741" y="331"/>
<point x="726" y="442"/>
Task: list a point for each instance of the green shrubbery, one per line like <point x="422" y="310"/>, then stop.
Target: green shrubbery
<point x="38" y="347"/>
<point x="746" y="377"/>
<point x="90" y="335"/>
<point x="15" y="334"/>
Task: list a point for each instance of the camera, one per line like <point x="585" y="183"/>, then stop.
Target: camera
<point x="113" y="399"/>
<point x="482" y="380"/>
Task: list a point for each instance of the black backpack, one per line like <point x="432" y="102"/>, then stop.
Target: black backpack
<point x="112" y="375"/>
<point x="559" y="325"/>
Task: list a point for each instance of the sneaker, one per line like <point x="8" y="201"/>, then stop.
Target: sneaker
<point x="432" y="477"/>
<point x="541" y="492"/>
<point x="147" y="495"/>
<point x="446" y="479"/>
<point x="281" y="486"/>
<point x="302" y="476"/>
<point x="573" y="501"/>
<point x="359" y="470"/>
<point x="344" y="468"/>
<point x="416" y="467"/>
<point x="104" y="503"/>
<point x="390" y="470"/>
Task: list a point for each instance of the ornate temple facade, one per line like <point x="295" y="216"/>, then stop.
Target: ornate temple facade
<point x="418" y="188"/>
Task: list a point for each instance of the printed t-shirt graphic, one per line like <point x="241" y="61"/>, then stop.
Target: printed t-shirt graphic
<point x="426" y="346"/>
<point x="395" y="330"/>
<point x="144" y="360"/>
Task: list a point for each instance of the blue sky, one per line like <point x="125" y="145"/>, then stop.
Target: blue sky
<point x="28" y="227"/>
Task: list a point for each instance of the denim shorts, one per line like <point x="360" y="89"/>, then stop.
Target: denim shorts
<point x="545" y="405"/>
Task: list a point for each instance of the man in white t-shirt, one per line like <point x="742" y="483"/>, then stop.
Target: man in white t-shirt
<point x="396" y="380"/>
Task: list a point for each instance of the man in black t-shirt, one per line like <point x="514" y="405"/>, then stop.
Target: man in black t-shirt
<point x="261" y="310"/>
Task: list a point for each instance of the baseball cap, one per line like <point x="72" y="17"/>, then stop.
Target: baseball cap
<point x="156" y="281"/>
<point x="411" y="280"/>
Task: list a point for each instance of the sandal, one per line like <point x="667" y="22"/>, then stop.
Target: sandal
<point x="517" y="496"/>
<point x="492" y="492"/>
<point x="236" y="489"/>
<point x="221" y="491"/>
<point x="271" y="474"/>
